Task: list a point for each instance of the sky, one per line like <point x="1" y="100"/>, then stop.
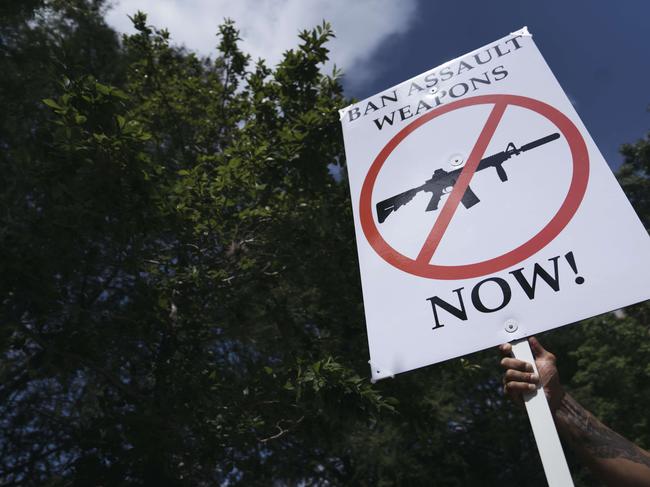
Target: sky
<point x="599" y="50"/>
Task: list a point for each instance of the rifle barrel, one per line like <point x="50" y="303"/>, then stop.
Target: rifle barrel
<point x="538" y="142"/>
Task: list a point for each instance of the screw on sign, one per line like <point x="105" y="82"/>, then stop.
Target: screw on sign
<point x="459" y="181"/>
<point x="456" y="160"/>
<point x="511" y="326"/>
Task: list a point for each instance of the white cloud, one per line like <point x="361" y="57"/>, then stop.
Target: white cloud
<point x="270" y="27"/>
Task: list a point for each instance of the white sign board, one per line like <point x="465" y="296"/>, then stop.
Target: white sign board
<point x="483" y="210"/>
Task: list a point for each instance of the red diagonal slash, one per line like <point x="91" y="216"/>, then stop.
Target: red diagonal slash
<point x="449" y="208"/>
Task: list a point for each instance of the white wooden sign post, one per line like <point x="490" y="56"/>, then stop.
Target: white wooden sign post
<point x="484" y="213"/>
<point x="541" y="421"/>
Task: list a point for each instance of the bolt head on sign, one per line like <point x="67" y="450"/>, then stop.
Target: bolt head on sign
<point x="483" y="210"/>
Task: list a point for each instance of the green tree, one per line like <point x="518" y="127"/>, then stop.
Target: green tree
<point x="157" y="325"/>
<point x="180" y="295"/>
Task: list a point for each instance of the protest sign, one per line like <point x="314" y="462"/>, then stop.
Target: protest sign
<point x="483" y="210"/>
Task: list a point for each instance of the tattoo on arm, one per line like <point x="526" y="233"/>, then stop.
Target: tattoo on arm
<point x="585" y="430"/>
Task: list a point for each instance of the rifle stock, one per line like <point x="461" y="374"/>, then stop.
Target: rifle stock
<point x="386" y="207"/>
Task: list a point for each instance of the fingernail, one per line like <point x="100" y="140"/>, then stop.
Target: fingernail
<point x="534" y="377"/>
<point x="532" y="387"/>
<point x="529" y="367"/>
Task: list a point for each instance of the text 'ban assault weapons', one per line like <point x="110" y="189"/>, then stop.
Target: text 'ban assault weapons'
<point x="441" y="180"/>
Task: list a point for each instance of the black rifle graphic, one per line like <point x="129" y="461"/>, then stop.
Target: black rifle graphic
<point x="442" y="180"/>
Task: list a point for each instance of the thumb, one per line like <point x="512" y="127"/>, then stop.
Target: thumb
<point x="536" y="347"/>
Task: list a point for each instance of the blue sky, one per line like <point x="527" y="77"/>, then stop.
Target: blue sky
<point x="599" y="50"/>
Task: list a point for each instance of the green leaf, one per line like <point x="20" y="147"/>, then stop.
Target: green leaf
<point x="102" y="88"/>
<point x="52" y="104"/>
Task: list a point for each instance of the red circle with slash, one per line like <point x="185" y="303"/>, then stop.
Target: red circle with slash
<point x="421" y="266"/>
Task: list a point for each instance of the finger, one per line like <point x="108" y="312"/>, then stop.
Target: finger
<point x="517" y="376"/>
<point x="513" y="387"/>
<point x="536" y="347"/>
<point x="506" y="349"/>
<point x="513" y="363"/>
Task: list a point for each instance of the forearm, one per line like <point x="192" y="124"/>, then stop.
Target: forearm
<point x="613" y="459"/>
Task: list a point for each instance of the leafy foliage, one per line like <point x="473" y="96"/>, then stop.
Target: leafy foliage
<point x="180" y="296"/>
<point x="634" y="175"/>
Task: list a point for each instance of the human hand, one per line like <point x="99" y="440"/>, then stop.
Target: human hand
<point x="520" y="378"/>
